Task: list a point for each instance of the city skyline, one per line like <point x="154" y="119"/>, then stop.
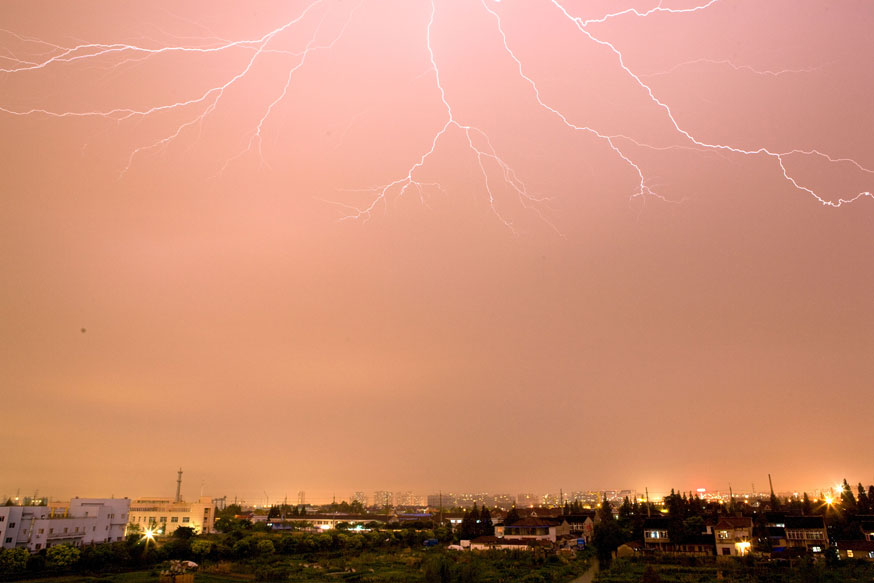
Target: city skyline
<point x="435" y="244"/>
<point x="405" y="497"/>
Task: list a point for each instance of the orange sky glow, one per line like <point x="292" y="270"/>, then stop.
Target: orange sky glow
<point x="343" y="245"/>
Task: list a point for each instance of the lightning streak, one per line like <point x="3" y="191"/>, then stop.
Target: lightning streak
<point x="779" y="157"/>
<point x="484" y="154"/>
<point x="497" y="175"/>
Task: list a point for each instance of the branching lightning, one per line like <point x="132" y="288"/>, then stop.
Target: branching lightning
<point x="36" y="56"/>
<point x="779" y="157"/>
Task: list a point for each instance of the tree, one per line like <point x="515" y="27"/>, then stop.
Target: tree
<point x="265" y="547"/>
<point x="605" y="512"/>
<point x="229" y="511"/>
<point x="692" y="526"/>
<point x="487" y="527"/>
<point x="775" y="503"/>
<point x="62" y="556"/>
<point x="848" y="501"/>
<point x="201" y="548"/>
<point x="806" y="506"/>
<point x="183" y="532"/>
<point x="626" y="510"/>
<point x="863" y="503"/>
<point x="468" y="527"/>
<point x="512" y="516"/>
<point x="608" y="537"/>
<point x="13" y="560"/>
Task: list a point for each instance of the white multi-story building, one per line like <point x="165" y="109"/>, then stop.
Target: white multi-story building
<point x="86" y="521"/>
<point x="164" y="515"/>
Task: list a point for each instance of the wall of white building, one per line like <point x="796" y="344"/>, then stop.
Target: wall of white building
<point x="88" y="520"/>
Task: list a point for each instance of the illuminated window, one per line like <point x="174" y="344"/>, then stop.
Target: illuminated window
<point x="850" y="553"/>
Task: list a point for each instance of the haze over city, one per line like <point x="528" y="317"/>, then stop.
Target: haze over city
<point x="474" y="246"/>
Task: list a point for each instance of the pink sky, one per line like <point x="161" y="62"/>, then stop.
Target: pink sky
<point x="519" y="311"/>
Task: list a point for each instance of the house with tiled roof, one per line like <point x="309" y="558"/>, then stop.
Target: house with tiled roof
<point x="535" y="528"/>
<point x="807" y="532"/>
<point x="855" y="549"/>
<point x="733" y="536"/>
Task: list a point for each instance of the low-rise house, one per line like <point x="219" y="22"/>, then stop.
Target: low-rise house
<point x="807" y="532"/>
<point x="581" y="525"/>
<point x="733" y="536"/>
<point x="328" y="521"/>
<point x="855" y="549"/>
<point x="698" y="544"/>
<point x="535" y="528"/>
<point x="487" y="543"/>
<point x="868" y="527"/>
<point x="655" y="533"/>
<point x="656" y="538"/>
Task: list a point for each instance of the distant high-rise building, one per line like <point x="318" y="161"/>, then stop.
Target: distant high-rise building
<point x="404" y="498"/>
<point x="383" y="498"/>
<point x="526" y="499"/>
<point x="549" y="500"/>
<point x="503" y="501"/>
<point x="301" y="498"/>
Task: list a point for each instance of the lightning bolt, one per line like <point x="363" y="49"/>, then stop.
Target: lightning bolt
<point x="739" y="68"/>
<point x="498" y="177"/>
<point x="779" y="157"/>
<point x="478" y="143"/>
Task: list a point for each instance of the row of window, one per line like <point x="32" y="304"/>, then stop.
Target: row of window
<point x="185" y="519"/>
<point x="805" y="535"/>
<point x="861" y="554"/>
